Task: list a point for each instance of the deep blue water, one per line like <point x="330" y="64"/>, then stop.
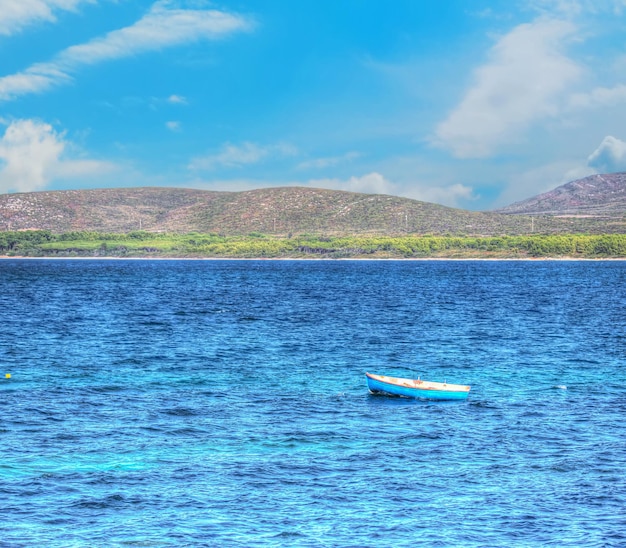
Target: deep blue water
<point x="224" y="403"/>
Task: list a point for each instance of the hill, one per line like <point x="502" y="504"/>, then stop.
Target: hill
<point x="596" y="196"/>
<point x="277" y="211"/>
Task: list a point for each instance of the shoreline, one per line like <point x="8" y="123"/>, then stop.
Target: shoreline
<point x="318" y="259"/>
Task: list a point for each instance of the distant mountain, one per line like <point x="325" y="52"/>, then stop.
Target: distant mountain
<point x="279" y="211"/>
<point x="601" y="196"/>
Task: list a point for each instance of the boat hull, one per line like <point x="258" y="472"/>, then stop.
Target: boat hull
<point x="410" y="388"/>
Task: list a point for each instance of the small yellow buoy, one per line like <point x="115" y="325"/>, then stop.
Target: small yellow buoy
<point x="7" y="376"/>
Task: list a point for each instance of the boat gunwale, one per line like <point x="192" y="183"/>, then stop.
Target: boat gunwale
<point x="418" y="384"/>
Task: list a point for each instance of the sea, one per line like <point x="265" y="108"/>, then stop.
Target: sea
<point x="224" y="403"/>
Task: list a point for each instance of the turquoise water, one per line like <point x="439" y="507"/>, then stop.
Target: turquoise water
<point x="224" y="403"/>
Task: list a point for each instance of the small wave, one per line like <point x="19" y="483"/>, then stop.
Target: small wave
<point x="108" y="388"/>
<point x="560" y="387"/>
<point x="111" y="501"/>
<point x="180" y="412"/>
<point x="153" y="323"/>
<point x="289" y="534"/>
<point x="484" y="404"/>
<point x="188" y="431"/>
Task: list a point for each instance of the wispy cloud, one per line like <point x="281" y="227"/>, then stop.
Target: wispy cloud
<point x="174" y="126"/>
<point x="539" y="179"/>
<point x="572" y="8"/>
<point x="370" y="183"/>
<point x="599" y="97"/>
<point x="329" y="161"/>
<point x="376" y="183"/>
<point x="32" y="154"/>
<point x="234" y="156"/>
<point x="160" y="28"/>
<point x="525" y="80"/>
<point x="36" y="79"/>
<point x="177" y="100"/>
<point x="449" y="195"/>
<point x="15" y="15"/>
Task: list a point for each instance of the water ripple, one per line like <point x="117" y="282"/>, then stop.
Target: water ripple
<point x="223" y="403"/>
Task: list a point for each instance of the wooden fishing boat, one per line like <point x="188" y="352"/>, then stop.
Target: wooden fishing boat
<point x="416" y="388"/>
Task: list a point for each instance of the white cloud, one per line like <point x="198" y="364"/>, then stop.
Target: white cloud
<point x="568" y="8"/>
<point x="32" y="155"/>
<point x="330" y="161"/>
<point x="371" y="183"/>
<point x="173" y="126"/>
<point x="523" y="82"/>
<point x="15" y="15"/>
<point x="34" y="80"/>
<point x="609" y="157"/>
<point x="161" y="27"/>
<point x="240" y="155"/>
<point x="599" y="97"/>
<point x="540" y="179"/>
<point x="572" y="8"/>
<point x="177" y="100"/>
<point x="446" y="195"/>
<point x="375" y="183"/>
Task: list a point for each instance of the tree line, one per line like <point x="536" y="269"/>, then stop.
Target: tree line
<point x="43" y="243"/>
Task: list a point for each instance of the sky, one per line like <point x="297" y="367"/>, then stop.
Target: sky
<point x="472" y="104"/>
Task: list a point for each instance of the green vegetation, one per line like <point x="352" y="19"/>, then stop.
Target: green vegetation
<point x="43" y="243"/>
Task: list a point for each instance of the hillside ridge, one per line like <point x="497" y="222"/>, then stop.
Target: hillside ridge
<point x="276" y="210"/>
<point x="602" y="195"/>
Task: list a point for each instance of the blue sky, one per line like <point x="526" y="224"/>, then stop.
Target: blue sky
<point x="473" y="104"/>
